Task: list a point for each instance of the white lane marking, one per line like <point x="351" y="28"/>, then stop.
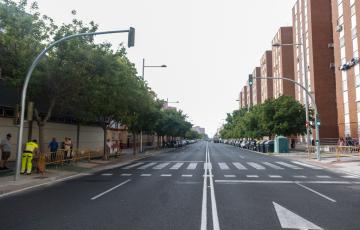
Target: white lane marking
<point x="230" y="176"/>
<point x="252" y="176"/>
<point x="176" y="166"/>
<point x="204" y="195"/>
<point x="208" y="165"/>
<point x="316" y="192"/>
<point x="223" y="166"/>
<point x="272" y="165"/>
<point x="192" y="166"/>
<point x="288" y="165"/>
<point x="145" y="175"/>
<point x="299" y="176"/>
<point x="106" y="174"/>
<point x="133" y="165"/>
<point x="126" y="174"/>
<point x="306" y="165"/>
<point x="239" y="166"/>
<point x="350" y="177"/>
<point x="275" y="176"/>
<point x="109" y="190"/>
<point x="186" y="175"/>
<point x="256" y="165"/>
<point x="161" y="165"/>
<point x="286" y="182"/>
<point x="166" y="175"/>
<point x="291" y="220"/>
<point x="215" y="217"/>
<point x="147" y="165"/>
<point x="326" y="177"/>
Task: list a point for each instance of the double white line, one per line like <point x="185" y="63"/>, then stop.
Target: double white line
<point x="208" y="175"/>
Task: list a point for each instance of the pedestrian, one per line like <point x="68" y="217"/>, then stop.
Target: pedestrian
<point x="53" y="147"/>
<point x="67" y="148"/>
<point x="31" y="148"/>
<point x="5" y="147"/>
<point x="341" y="141"/>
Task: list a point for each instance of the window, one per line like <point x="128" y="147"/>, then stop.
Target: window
<point x="357" y="80"/>
<point x="344" y="85"/>
<point x="358" y="94"/>
<point x="346" y="108"/>
<point x="342" y="42"/>
<point x="354" y="33"/>
<point x="340" y="20"/>
<point x="352" y="9"/>
<point x="341" y="9"/>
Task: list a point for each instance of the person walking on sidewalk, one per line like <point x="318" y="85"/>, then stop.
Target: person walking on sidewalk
<point x="5" y="147"/>
<point x="31" y="147"/>
<point x="53" y="147"/>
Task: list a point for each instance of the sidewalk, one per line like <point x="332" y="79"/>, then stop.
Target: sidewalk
<point x="57" y="174"/>
<point x="349" y="165"/>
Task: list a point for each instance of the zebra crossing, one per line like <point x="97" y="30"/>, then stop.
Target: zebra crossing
<point x="278" y="165"/>
<point x="188" y="168"/>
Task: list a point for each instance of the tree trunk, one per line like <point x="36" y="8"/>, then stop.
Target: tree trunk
<point x="105" y="157"/>
<point x="134" y="143"/>
<point x="41" y="142"/>
<point x="77" y="137"/>
<point x="30" y="129"/>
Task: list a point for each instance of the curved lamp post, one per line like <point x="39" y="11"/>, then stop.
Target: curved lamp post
<point x="131" y="43"/>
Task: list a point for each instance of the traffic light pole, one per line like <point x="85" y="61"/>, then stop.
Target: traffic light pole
<point x="131" y="38"/>
<point x="317" y="120"/>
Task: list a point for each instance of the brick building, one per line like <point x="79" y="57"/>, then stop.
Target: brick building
<point x="266" y="71"/>
<point x="346" y="16"/>
<point x="239" y="100"/>
<point x="244" y="97"/>
<point x="282" y="62"/>
<point x="256" y="87"/>
<point x="312" y="21"/>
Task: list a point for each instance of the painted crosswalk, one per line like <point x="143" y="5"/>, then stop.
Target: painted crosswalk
<point x="177" y="166"/>
<point x="223" y="166"/>
<point x="161" y="165"/>
<point x="256" y="165"/>
<point x="172" y="165"/>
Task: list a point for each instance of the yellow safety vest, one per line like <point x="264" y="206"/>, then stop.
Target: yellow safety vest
<point x="31" y="146"/>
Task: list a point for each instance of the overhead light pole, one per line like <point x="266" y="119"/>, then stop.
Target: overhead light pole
<point x="306" y="84"/>
<point x="131" y="43"/>
<point x="143" y="77"/>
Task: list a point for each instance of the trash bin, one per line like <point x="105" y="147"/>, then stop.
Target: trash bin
<point x="269" y="146"/>
<point x="281" y="144"/>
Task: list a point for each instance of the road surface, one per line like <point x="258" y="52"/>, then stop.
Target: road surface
<point x="201" y="186"/>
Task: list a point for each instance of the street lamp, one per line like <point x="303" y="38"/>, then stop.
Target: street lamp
<point x="143" y="77"/>
<point x="305" y="67"/>
<point x="131" y="43"/>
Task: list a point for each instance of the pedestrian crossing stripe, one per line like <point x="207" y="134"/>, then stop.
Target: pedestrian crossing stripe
<point x="279" y="165"/>
<point x="306" y="165"/>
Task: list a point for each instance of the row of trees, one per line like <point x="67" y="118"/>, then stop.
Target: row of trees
<point x="281" y="116"/>
<point x="89" y="82"/>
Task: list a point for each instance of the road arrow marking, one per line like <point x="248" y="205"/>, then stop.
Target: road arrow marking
<point x="290" y="220"/>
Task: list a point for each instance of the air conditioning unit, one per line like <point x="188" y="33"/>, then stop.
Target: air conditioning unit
<point x="339" y="28"/>
<point x="332" y="65"/>
<point x="331" y="45"/>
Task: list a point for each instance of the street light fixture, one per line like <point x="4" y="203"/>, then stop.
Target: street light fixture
<point x="131" y="43"/>
<point x="143" y="77"/>
<point x="305" y="69"/>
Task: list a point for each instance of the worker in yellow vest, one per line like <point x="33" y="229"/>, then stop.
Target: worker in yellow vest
<point x="31" y="147"/>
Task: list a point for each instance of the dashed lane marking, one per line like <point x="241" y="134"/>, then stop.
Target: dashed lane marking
<point x="275" y="176"/>
<point x="166" y="175"/>
<point x="229" y="176"/>
<point x="106" y="174"/>
<point x="186" y="175"/>
<point x="321" y="176"/>
<point x="252" y="176"/>
<point x="126" y="174"/>
<point x="145" y="175"/>
<point x="299" y="176"/>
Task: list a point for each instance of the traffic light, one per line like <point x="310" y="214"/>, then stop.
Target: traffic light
<point x="251" y="80"/>
<point x="131" y="37"/>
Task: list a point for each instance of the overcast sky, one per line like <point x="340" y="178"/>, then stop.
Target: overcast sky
<point x="209" y="46"/>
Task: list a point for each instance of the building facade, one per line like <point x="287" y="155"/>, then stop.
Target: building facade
<point x="346" y="16"/>
<point x="266" y="71"/>
<point x="239" y="100"/>
<point x="256" y="87"/>
<point x="249" y="94"/>
<point x="244" y="97"/>
<point x="283" y="64"/>
<point x="312" y="28"/>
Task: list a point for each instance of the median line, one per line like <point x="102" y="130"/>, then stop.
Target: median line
<point x="109" y="190"/>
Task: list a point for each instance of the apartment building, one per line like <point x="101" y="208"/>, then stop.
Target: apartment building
<point x="249" y="94"/>
<point x="346" y="24"/>
<point x="256" y="87"/>
<point x="266" y="71"/>
<point x="312" y="28"/>
<point x="282" y="62"/>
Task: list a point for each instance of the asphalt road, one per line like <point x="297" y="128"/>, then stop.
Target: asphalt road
<point x="201" y="186"/>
